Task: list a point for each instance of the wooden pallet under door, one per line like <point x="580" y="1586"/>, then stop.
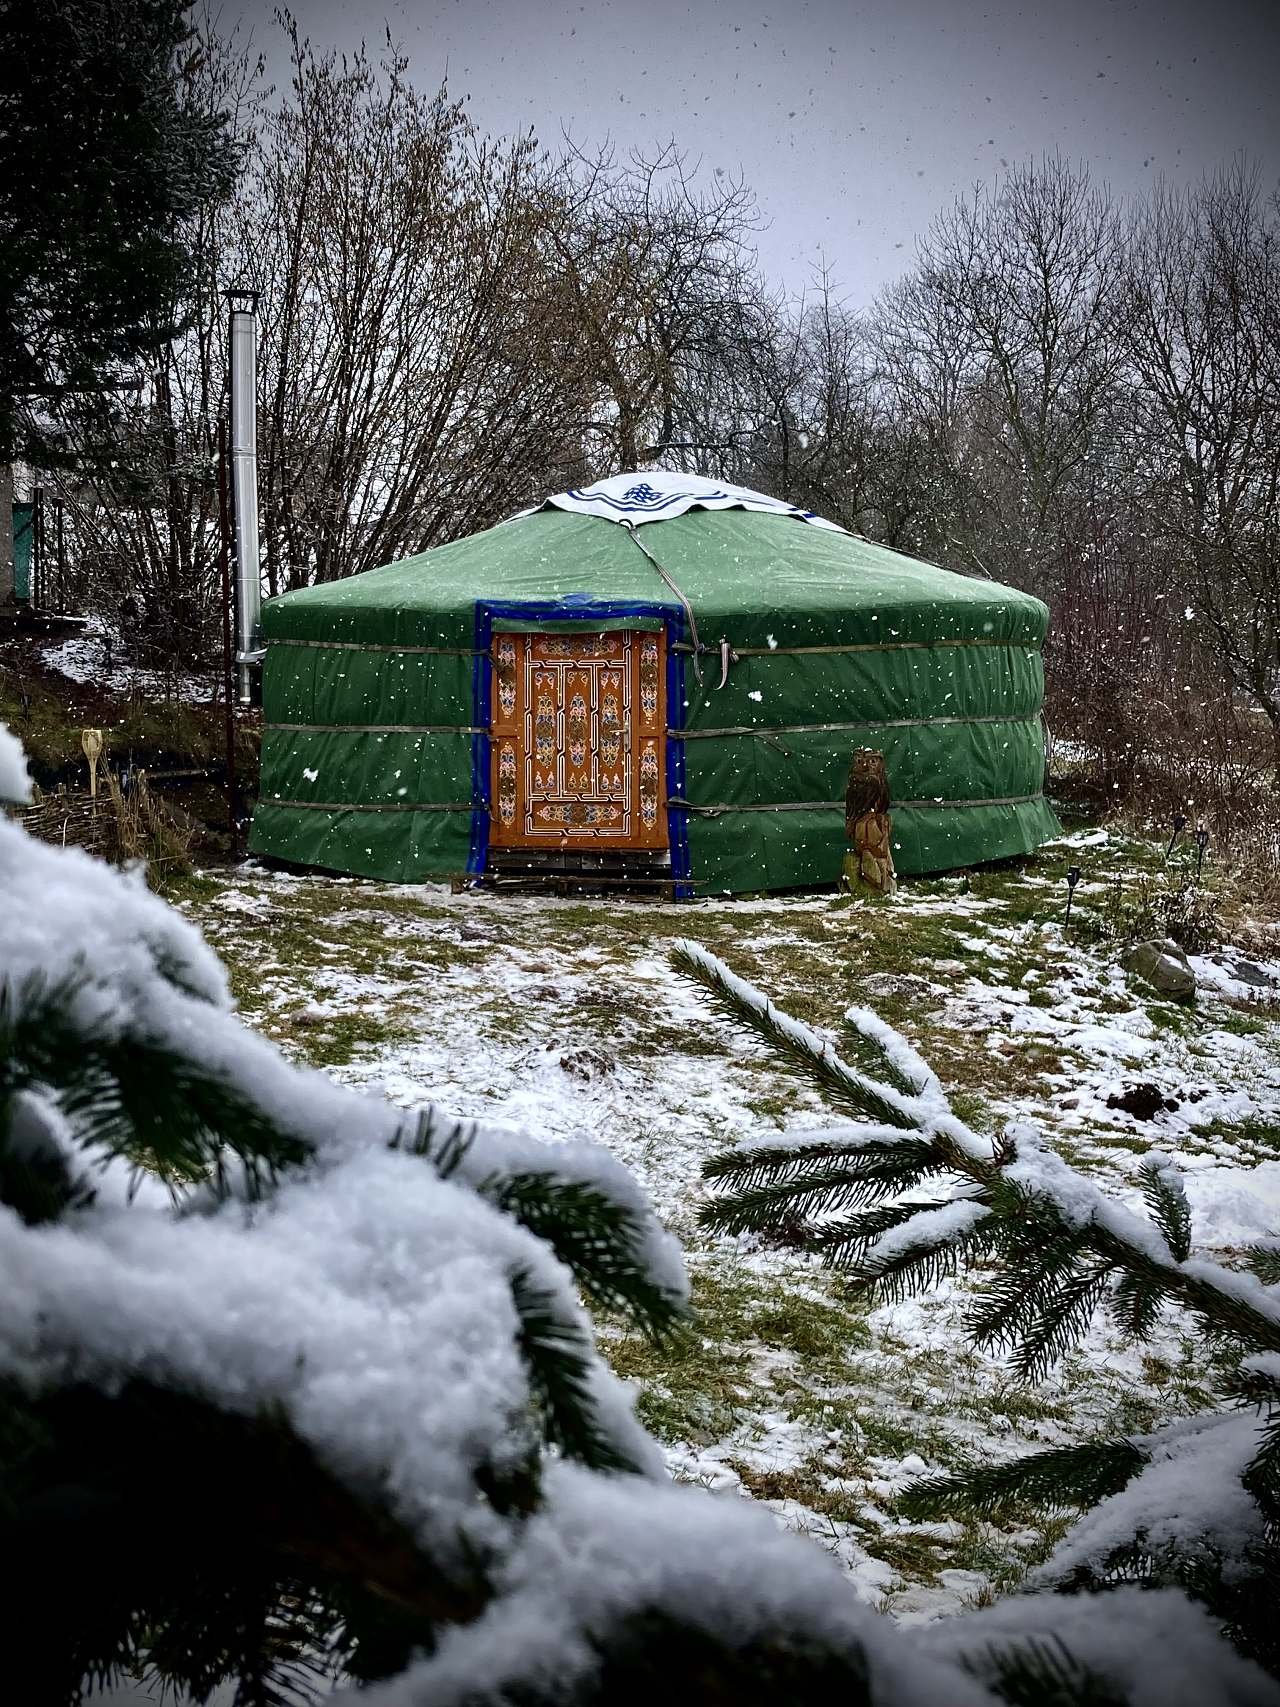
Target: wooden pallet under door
<point x="579" y="741"/>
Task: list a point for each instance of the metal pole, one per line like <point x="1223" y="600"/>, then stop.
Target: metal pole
<point x="8" y="581"/>
<point x="62" y="560"/>
<point x="243" y="345"/>
<point x="228" y="656"/>
<point x="37" y="549"/>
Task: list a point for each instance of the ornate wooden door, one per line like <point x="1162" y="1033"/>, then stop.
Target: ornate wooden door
<point x="579" y="740"/>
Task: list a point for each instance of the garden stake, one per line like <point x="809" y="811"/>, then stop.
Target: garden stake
<point x="91" y="746"/>
<point x="1202" y="842"/>
<point x="1073" y="877"/>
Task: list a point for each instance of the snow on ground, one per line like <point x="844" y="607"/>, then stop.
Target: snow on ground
<point x="564" y="1017"/>
<point x="96" y="654"/>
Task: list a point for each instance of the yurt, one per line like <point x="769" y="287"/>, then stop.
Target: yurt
<point x="657" y="674"/>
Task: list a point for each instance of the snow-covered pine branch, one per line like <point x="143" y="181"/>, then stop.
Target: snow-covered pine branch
<point x="1050" y="1248"/>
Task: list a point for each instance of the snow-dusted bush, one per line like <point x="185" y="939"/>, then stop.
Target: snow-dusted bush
<point x="296" y="1390"/>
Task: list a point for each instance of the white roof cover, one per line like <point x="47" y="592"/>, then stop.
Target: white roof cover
<point x="652" y="495"/>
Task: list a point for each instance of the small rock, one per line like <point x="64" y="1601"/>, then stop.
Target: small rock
<point x="1143" y="1101"/>
<point x="1164" y="967"/>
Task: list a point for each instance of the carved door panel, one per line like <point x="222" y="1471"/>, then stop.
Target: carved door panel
<point x="579" y="740"/>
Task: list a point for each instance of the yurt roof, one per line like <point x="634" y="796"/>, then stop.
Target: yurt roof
<point x="749" y="567"/>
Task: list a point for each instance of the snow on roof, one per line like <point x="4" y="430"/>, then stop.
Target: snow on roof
<point x="653" y="495"/>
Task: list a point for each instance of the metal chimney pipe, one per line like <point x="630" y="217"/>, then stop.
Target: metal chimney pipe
<point x="244" y="486"/>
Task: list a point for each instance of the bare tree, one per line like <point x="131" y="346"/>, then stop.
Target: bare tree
<point x="410" y="350"/>
<point x="827" y="436"/>
<point x="658" y="284"/>
<point x="1204" y="289"/>
<point x="1006" y="347"/>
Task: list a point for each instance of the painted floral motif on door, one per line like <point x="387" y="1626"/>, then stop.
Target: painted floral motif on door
<point x="579" y="739"/>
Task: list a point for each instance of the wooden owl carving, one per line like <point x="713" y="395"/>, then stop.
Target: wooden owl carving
<point x="868" y="789"/>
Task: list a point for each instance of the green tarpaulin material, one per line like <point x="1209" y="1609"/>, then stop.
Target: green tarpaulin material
<point x="23" y="548"/>
<point x="376" y="697"/>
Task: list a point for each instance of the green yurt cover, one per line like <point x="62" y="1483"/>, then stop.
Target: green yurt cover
<point x="377" y="690"/>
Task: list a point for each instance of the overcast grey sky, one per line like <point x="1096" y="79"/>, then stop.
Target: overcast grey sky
<point x="854" y="120"/>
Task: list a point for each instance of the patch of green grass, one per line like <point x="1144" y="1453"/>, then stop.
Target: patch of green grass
<point x="337" y="1039"/>
<point x="1022" y="902"/>
<point x="916" y="1557"/>
<point x="696" y="1386"/>
<point x="821" y="1334"/>
<point x="1247" y="1022"/>
<point x="1252" y="1133"/>
<point x="193" y="889"/>
<point x="49" y="720"/>
<point x="1107" y="1138"/>
<point x="630" y="1022"/>
<point x="803" y="1486"/>
<point x="1179" y="1018"/>
<point x="1007" y="1560"/>
<point x="974" y="1109"/>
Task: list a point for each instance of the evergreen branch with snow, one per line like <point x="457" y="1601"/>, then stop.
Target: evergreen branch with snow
<point x="1263" y="1260"/>
<point x="833" y="1175"/>
<point x="1063" y="1245"/>
<point x="1042" y="1674"/>
<point x="598" y="1239"/>
<point x="125" y="1095"/>
<point x="120" y="1094"/>
<point x="1048" y="1249"/>
<point x="604" y="1237"/>
<point x="845" y="1087"/>
<point x="1063" y="1476"/>
<point x="559" y="1354"/>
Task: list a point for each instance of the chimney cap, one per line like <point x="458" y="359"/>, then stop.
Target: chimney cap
<point x="241" y="298"/>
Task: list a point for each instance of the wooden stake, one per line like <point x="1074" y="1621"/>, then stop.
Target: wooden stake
<point x="91" y="744"/>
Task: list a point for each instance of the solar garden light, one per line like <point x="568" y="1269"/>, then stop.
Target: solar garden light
<point x="1073" y="877"/>
<point x="1179" y="825"/>
<point x="1202" y="842"/>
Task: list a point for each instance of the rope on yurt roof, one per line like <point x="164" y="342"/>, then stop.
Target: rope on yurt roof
<point x="697" y="647"/>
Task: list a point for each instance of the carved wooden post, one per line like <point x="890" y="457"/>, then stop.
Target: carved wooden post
<point x="91" y="743"/>
<point x="869" y="860"/>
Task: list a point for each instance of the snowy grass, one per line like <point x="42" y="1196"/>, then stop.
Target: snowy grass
<point x="564" y="1017"/>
